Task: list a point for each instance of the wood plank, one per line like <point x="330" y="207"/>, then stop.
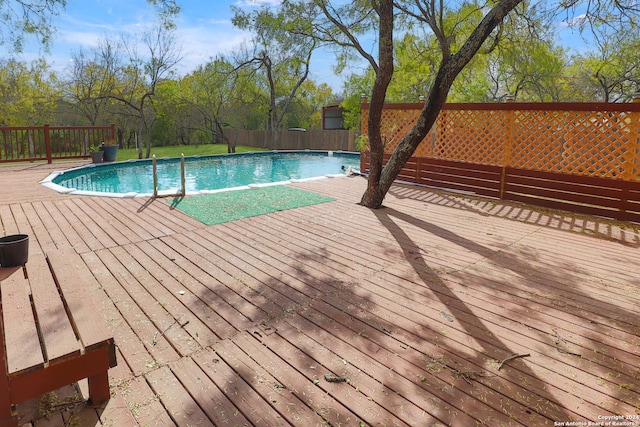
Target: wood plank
<point x="297" y="290"/>
<point x="184" y="306"/>
<point x="535" y="342"/>
<point x="45" y="242"/>
<point x="227" y="378"/>
<point x="309" y="390"/>
<point x="259" y="280"/>
<point x="56" y="329"/>
<point x="31" y="384"/>
<point x="601" y="188"/>
<point x="24" y="353"/>
<point x="184" y="411"/>
<point x="212" y="400"/>
<point x="144" y="346"/>
<point x="403" y="274"/>
<point x="398" y="376"/>
<point x="506" y="274"/>
<point x="127" y="225"/>
<point x="91" y="220"/>
<point x="25" y="228"/>
<point x="66" y="266"/>
<point x="145" y="404"/>
<point x="57" y="235"/>
<point x="414" y="357"/>
<point x="189" y="268"/>
<point x="169" y="316"/>
<point x="116" y="412"/>
<point x="7" y="221"/>
<point x="285" y="398"/>
<point x="94" y="208"/>
<point x="61" y="221"/>
<point x="249" y="301"/>
<point x="559" y="204"/>
<point x="315" y="361"/>
<point x="543" y="191"/>
<point x="174" y="220"/>
<point x="80" y="225"/>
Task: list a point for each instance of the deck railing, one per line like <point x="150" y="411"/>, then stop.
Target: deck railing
<point x="33" y="143"/>
<point x="582" y="157"/>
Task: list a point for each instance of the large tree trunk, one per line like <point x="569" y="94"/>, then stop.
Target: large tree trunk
<point x="373" y="196"/>
<point x="380" y="179"/>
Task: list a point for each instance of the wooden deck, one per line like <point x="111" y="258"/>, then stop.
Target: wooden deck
<point x="421" y="306"/>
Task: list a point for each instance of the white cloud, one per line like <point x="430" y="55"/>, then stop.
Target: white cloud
<point x="575" y="21"/>
<point x="201" y="43"/>
<point x="245" y="3"/>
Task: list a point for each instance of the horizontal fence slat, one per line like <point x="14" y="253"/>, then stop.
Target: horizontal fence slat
<point x="566" y="183"/>
<point x="565" y="196"/>
<point x="557" y="204"/>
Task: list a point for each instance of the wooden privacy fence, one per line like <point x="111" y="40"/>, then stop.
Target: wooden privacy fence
<point x="314" y="139"/>
<point x="582" y="157"/>
<point x="19" y="144"/>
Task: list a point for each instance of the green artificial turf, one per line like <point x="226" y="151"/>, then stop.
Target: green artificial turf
<point x="228" y="206"/>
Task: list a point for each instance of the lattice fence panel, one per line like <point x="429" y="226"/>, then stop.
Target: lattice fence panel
<point x="473" y="136"/>
<point x="537" y="140"/>
<point x="594" y="143"/>
<point x="395" y="125"/>
<point x="590" y="143"/>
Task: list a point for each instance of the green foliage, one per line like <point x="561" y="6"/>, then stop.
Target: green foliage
<point x="609" y="72"/>
<point x="279" y="59"/>
<point x="355" y="87"/>
<point x="27" y="93"/>
<point x="34" y="18"/>
<point x="271" y="89"/>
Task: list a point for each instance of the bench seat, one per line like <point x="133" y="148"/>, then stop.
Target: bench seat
<point x="51" y="334"/>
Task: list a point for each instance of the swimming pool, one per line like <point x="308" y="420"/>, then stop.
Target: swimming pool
<point x="203" y="173"/>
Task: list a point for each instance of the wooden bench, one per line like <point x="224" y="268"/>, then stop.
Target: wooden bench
<point x="51" y="334"/>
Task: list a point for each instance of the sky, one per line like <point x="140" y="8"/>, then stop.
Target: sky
<point x="204" y="30"/>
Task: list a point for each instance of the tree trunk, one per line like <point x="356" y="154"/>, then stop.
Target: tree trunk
<point x="380" y="179"/>
<point x="373" y="196"/>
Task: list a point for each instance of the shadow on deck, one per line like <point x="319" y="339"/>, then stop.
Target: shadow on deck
<point x="436" y="309"/>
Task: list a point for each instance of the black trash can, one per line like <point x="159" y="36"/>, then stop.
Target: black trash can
<point x="14" y="250"/>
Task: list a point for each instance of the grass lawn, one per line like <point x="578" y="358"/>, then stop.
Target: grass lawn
<point x="187" y="150"/>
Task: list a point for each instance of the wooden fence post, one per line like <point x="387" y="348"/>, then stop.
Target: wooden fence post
<point x="113" y="133"/>
<point x="632" y="172"/>
<point x="47" y="143"/>
<point x="508" y="144"/>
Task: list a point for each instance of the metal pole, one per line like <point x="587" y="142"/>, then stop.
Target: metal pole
<point x="155" y="176"/>
<point x="183" y="179"/>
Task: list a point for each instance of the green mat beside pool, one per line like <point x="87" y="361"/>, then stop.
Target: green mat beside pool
<point x="227" y="206"/>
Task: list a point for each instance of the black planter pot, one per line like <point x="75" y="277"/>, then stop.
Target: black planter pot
<point x="14" y="250"/>
<point x="110" y="152"/>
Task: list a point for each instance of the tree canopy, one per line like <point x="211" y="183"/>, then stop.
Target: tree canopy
<point x="465" y="51"/>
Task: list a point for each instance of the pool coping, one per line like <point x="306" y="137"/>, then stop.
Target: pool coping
<point x="48" y="181"/>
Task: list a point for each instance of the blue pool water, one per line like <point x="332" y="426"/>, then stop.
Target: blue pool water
<point x="206" y="173"/>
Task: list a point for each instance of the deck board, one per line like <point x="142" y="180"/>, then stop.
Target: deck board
<point x="237" y="323"/>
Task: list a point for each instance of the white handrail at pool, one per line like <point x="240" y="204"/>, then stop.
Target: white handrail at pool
<point x="183" y="178"/>
<point x="155" y="176"/>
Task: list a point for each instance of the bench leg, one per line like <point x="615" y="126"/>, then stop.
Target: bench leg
<point x="99" y="388"/>
<point x="7" y="419"/>
<point x="9" y="422"/>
